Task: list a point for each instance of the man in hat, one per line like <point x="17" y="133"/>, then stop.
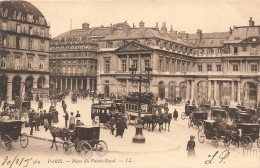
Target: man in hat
<point x="31" y="121"/>
<point x="72" y="121"/>
<point x="66" y="116"/>
<point x="191" y="146"/>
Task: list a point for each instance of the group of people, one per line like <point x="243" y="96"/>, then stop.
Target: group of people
<point x="38" y="119"/>
<point x="119" y="124"/>
<point x="72" y="120"/>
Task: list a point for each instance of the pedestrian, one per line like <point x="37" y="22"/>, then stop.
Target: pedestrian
<point x="77" y="116"/>
<point x="93" y="100"/>
<point x="64" y="107"/>
<point x="5" y="105"/>
<point x="40" y="105"/>
<point x="49" y="116"/>
<point x="56" y="114"/>
<point x="112" y="124"/>
<point x="31" y="121"/>
<point x="41" y="118"/>
<point x="62" y="103"/>
<point x="175" y="114"/>
<point x="37" y="122"/>
<point x="45" y="119"/>
<point x="72" y="121"/>
<point x="191" y="146"/>
<point x="37" y="97"/>
<point x="121" y="126"/>
<point x="66" y="116"/>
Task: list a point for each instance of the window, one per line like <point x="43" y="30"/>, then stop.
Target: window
<point x="235" y="50"/>
<point x="254" y="67"/>
<point x="167" y="64"/>
<point x="200" y="68"/>
<point x="4" y="26"/>
<point x="4" y="41"/>
<point x="29" y="64"/>
<point x="124" y="65"/>
<point x="160" y="64"/>
<point x="31" y="30"/>
<point x="219" y="68"/>
<point x="73" y="70"/>
<point x="147" y="63"/>
<point x="18" y="28"/>
<point x="2" y="64"/>
<point x="107" y="65"/>
<point x="235" y="67"/>
<point x="42" y="33"/>
<point x="244" y="48"/>
<point x="42" y="46"/>
<point x="41" y="66"/>
<point x="209" y="67"/>
<point x="17" y="63"/>
<point x="31" y="44"/>
<point x="17" y="43"/>
<point x="135" y="63"/>
<point x="69" y="70"/>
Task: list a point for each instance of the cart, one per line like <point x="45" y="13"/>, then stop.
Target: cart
<point x="197" y="119"/>
<point x="188" y="110"/>
<point x="10" y="131"/>
<point x="85" y="139"/>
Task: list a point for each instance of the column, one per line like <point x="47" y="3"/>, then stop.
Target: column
<point x="209" y="90"/>
<point x="232" y="91"/>
<point x="66" y="83"/>
<point x="215" y="90"/>
<point x="127" y="87"/>
<point x="246" y="89"/>
<point x="192" y="90"/>
<point x="238" y="91"/>
<point x="81" y="84"/>
<point x="70" y="83"/>
<point x="176" y="64"/>
<point x="188" y="90"/>
<point x="22" y="86"/>
<point x="9" y="89"/>
<point x="61" y="84"/>
<point x="56" y="83"/>
<point x="76" y="83"/>
<point x="139" y="60"/>
<point x="93" y="84"/>
<point x="88" y="84"/>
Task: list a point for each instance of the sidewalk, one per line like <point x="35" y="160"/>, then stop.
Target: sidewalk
<point x="155" y="141"/>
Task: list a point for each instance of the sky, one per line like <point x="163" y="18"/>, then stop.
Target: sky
<point x="185" y="15"/>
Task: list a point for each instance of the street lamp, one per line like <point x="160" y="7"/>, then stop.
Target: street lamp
<point x="139" y="138"/>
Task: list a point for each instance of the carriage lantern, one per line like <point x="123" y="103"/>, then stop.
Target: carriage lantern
<point x="139" y="138"/>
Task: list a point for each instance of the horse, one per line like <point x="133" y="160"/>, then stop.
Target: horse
<point x="61" y="133"/>
<point x="167" y="120"/>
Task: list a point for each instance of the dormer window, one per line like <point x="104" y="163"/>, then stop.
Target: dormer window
<point x="14" y="15"/>
<point x="18" y="28"/>
<point x="5" y="14"/>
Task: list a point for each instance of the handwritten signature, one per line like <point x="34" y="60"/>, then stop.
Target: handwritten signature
<point x="220" y="159"/>
<point x="21" y="162"/>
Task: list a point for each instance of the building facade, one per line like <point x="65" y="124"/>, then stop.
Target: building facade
<point x="24" y="47"/>
<point x="221" y="66"/>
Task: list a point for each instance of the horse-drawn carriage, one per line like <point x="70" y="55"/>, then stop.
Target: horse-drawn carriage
<point x="215" y="113"/>
<point x="232" y="111"/>
<point x="85" y="139"/>
<point x="188" y="110"/>
<point x="197" y="118"/>
<point x="242" y="117"/>
<point x="10" y="131"/>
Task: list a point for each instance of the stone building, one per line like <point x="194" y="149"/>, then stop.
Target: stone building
<point x="222" y="66"/>
<point x="24" y="47"/>
<point x="73" y="58"/>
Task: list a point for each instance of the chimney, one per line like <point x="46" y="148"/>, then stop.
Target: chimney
<point x="141" y="24"/>
<point x="230" y="30"/>
<point x="199" y="34"/>
<point x="85" y="26"/>
<point x="186" y="36"/>
<point x="251" y="22"/>
<point x="164" y="28"/>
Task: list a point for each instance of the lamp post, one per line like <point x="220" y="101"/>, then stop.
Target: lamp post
<point x="139" y="138"/>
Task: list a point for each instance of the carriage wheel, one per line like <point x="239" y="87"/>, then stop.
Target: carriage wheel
<point x="183" y="115"/>
<point x="226" y="142"/>
<point x="200" y="125"/>
<point x="77" y="145"/>
<point x="7" y="142"/>
<point x="258" y="142"/>
<point x="24" y="140"/>
<point x="101" y="148"/>
<point x="247" y="142"/>
<point x="66" y="147"/>
<point x="201" y="136"/>
<point x="86" y="150"/>
<point x="215" y="141"/>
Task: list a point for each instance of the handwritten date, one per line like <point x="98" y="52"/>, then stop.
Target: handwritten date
<point x="20" y="162"/>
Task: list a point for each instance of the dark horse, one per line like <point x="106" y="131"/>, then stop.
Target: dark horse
<point x="61" y="133"/>
<point x="167" y="117"/>
<point x="149" y="120"/>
